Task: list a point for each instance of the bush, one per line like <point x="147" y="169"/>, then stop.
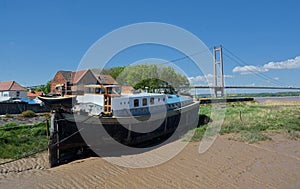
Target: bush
<point x="8" y="116"/>
<point x="28" y="113"/>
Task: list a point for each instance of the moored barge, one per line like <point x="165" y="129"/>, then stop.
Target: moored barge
<point x="105" y="120"/>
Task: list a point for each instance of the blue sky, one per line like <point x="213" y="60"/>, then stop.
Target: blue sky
<point x="38" y="38"/>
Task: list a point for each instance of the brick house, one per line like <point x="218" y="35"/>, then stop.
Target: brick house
<point x="12" y="89"/>
<point x="69" y="82"/>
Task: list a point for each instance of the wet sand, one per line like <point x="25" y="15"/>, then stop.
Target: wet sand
<point x="227" y="164"/>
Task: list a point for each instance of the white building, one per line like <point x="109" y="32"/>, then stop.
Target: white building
<point x="11" y="89"/>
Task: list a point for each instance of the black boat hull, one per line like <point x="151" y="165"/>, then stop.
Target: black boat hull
<point x="109" y="135"/>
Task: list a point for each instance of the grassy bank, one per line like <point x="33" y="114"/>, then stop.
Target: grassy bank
<point x="20" y="140"/>
<point x="250" y="121"/>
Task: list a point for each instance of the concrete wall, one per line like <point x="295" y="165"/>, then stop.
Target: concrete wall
<point x="13" y="94"/>
<point x="17" y="108"/>
<point x="22" y="94"/>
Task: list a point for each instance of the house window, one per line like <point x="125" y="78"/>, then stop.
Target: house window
<point x="136" y="103"/>
<point x="151" y="100"/>
<point x="144" y="101"/>
<point x="18" y="93"/>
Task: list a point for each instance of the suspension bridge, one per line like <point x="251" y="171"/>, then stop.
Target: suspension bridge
<point x="219" y="87"/>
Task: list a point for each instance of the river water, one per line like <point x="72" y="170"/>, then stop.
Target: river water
<point x="286" y="98"/>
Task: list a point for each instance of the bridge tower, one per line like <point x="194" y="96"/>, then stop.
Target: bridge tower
<point x="218" y="72"/>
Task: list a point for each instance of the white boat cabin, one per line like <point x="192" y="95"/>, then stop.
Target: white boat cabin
<point x="107" y="99"/>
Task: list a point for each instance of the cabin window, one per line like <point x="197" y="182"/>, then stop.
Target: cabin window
<point x="102" y="90"/>
<point x="116" y="90"/>
<point x="97" y="90"/>
<point x="109" y="90"/>
<point x="164" y="99"/>
<point x="92" y="90"/>
<point x="151" y="100"/>
<point x="158" y="99"/>
<point x="18" y="93"/>
<point x="144" y="101"/>
<point x="87" y="90"/>
<point x="136" y="103"/>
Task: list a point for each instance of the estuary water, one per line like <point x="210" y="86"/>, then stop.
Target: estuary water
<point x="285" y="98"/>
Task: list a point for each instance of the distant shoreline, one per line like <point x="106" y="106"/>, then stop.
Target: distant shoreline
<point x="279" y="98"/>
<point x="257" y="95"/>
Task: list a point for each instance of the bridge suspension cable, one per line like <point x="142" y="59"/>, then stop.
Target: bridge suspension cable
<point x="241" y="62"/>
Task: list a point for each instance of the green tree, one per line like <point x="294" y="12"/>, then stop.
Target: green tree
<point x="152" y="76"/>
<point x="47" y="87"/>
<point x="114" y="72"/>
<point x="44" y="88"/>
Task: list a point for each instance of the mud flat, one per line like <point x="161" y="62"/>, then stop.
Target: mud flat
<point x="226" y="164"/>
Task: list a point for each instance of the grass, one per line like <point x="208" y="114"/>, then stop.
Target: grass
<point x="251" y="137"/>
<point x="20" y="140"/>
<point x="250" y="120"/>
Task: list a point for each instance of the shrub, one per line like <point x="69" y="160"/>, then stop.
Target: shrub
<point x="28" y="113"/>
<point x="8" y="116"/>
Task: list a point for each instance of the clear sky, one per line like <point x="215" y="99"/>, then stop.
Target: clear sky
<point x="38" y="38"/>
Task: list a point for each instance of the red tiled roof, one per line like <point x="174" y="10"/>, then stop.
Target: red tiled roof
<point x="11" y="86"/>
<point x="32" y="95"/>
<point x="78" y="75"/>
<point x="75" y="77"/>
<point x="127" y="88"/>
<point x="106" y="79"/>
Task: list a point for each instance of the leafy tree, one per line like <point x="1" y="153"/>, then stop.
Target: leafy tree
<point x="44" y="88"/>
<point x="114" y="72"/>
<point x="47" y="88"/>
<point x="149" y="75"/>
<point x="38" y="89"/>
<point x="155" y="83"/>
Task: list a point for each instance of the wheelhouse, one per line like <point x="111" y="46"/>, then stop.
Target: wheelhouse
<point x="111" y="90"/>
